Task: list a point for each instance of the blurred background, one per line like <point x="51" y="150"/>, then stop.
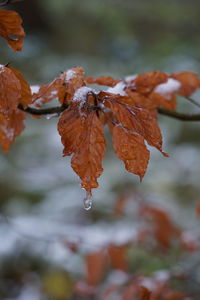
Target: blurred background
<point x="50" y="247"/>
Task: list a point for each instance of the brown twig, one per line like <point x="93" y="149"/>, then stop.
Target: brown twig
<point x="177" y="115"/>
<point x="43" y="111"/>
<point x="59" y="109"/>
<point x="6" y="2"/>
<point x="193" y="101"/>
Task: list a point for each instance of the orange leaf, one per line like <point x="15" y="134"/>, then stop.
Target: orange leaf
<point x="72" y="80"/>
<point x="25" y="99"/>
<point x="47" y="92"/>
<point x="174" y="295"/>
<point x="189" y="82"/>
<point x="10" y="89"/>
<point x="146" y="124"/>
<point x="198" y="209"/>
<point x="62" y="87"/>
<point x="138" y="120"/>
<point x="11" y="125"/>
<point x="118" y="257"/>
<point x="168" y="101"/>
<point x="164" y="229"/>
<point x="120" y="205"/>
<point x="131" y="149"/>
<point x="145" y="83"/>
<point x="135" y="99"/>
<point x="95" y="267"/>
<point x="144" y="293"/>
<point x="70" y="127"/>
<point x="11" y="29"/>
<point x="102" y="80"/>
<point x="87" y="160"/>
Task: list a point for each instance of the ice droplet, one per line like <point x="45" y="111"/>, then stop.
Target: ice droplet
<point x="87" y="201"/>
<point x="50" y="116"/>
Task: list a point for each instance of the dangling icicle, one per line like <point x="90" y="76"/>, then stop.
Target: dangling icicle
<point x="87" y="201"/>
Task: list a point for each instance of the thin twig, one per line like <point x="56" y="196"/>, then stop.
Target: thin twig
<point x="43" y="111"/>
<point x="59" y="109"/>
<point x="193" y="101"/>
<point x="6" y="2"/>
<point x="177" y="115"/>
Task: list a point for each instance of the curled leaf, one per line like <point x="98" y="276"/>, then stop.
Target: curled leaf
<point x="102" y="80"/>
<point x="146" y="82"/>
<point x="11" y="29"/>
<point x="189" y="82"/>
<point x="62" y="87"/>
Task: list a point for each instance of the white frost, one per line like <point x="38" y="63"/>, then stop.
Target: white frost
<point x="130" y="78"/>
<point x="34" y="89"/>
<point x="167" y="88"/>
<point x="70" y="74"/>
<point x="118" y="89"/>
<point x="81" y="94"/>
<point x="54" y="93"/>
<point x="2" y="68"/>
<point x="9" y="133"/>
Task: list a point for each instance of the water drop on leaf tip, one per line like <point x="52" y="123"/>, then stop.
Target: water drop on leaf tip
<point x="87" y="201"/>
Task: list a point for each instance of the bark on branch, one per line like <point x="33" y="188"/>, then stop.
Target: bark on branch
<point x="6" y="2"/>
<point x="177" y="115"/>
<point x="43" y="111"/>
<point x="60" y="109"/>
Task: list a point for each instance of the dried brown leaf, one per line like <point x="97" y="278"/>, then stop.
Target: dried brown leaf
<point x="70" y="127"/>
<point x="87" y="160"/>
<point x="11" y="29"/>
<point x="25" y="99"/>
<point x="11" y="125"/>
<point x="130" y="148"/>
<point x="145" y="83"/>
<point x="95" y="267"/>
<point x="189" y="82"/>
<point x="10" y="89"/>
<point x="102" y="80"/>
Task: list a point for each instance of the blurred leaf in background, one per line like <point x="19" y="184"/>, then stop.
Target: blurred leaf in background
<point x="46" y="237"/>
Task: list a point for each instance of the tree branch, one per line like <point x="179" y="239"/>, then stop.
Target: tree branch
<point x="59" y="109"/>
<point x="43" y="111"/>
<point x="192" y="101"/>
<point x="6" y="2"/>
<point x="177" y="115"/>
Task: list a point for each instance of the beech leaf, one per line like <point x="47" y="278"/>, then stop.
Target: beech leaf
<point x="87" y="160"/>
<point x="131" y="149"/>
<point x="10" y="89"/>
<point x="11" y="29"/>
<point x="11" y="125"/>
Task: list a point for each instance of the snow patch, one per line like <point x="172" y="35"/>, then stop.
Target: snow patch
<point x="38" y="102"/>
<point x="34" y="89"/>
<point x="2" y="68"/>
<point x="130" y="78"/>
<point x="54" y="93"/>
<point x="81" y="94"/>
<point x="9" y="133"/>
<point x="70" y="74"/>
<point x="169" y="87"/>
<point x="118" y="89"/>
